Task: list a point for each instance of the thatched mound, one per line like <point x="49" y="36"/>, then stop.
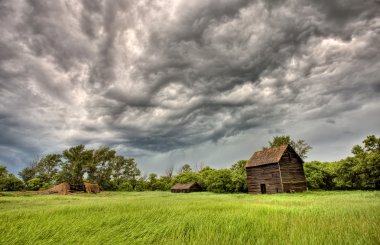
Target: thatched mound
<point x="63" y="188"/>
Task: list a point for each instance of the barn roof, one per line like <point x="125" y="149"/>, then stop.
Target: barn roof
<point x="184" y="186"/>
<point x="267" y="156"/>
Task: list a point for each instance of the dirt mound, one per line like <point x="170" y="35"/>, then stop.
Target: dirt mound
<point x="63" y="188"/>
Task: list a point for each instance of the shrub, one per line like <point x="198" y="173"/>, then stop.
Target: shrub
<point x="35" y="184"/>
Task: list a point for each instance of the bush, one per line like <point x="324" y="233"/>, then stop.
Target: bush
<point x="186" y="177"/>
<point x="125" y="186"/>
<point x="319" y="175"/>
<point x="14" y="184"/>
<point x="219" y="181"/>
<point x="11" y="183"/>
<point x="35" y="184"/>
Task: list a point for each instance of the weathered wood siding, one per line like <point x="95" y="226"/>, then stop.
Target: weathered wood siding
<point x="292" y="173"/>
<point x="266" y="174"/>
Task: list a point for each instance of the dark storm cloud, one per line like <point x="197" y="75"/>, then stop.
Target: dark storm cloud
<point x="155" y="76"/>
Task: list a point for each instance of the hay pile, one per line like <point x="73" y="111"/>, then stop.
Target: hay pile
<point x="63" y="188"/>
<point x="92" y="188"/>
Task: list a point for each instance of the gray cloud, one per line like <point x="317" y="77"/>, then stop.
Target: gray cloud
<point x="156" y="78"/>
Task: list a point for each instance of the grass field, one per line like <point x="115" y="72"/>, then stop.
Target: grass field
<point x="195" y="218"/>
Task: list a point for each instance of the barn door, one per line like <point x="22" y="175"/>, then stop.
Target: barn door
<point x="263" y="189"/>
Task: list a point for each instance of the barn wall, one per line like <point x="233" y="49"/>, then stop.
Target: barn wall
<point x="180" y="190"/>
<point x="292" y="173"/>
<point x="195" y="188"/>
<point x="266" y="174"/>
<point x="191" y="189"/>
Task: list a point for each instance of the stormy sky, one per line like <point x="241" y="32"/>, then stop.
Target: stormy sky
<point x="199" y="82"/>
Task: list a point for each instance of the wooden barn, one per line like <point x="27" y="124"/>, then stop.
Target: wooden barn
<point x="275" y="170"/>
<point x="189" y="187"/>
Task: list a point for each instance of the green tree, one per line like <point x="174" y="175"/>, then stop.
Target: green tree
<point x="125" y="169"/>
<point x="186" y="177"/>
<point x="372" y="144"/>
<point x="169" y="172"/>
<point x="118" y="169"/>
<point x="239" y="166"/>
<point x="203" y="175"/>
<point x="185" y="169"/>
<point x="124" y="185"/>
<point x="47" y="168"/>
<point x="239" y="176"/>
<point x="13" y="183"/>
<point x="131" y="171"/>
<point x="99" y="168"/>
<point x="300" y="146"/>
<point x="319" y="175"/>
<point x="152" y="180"/>
<point x="35" y="184"/>
<point x="364" y="166"/>
<point x="220" y="181"/>
<point x="30" y="171"/>
<point x="163" y="183"/>
<point x="76" y="163"/>
<point x="9" y="182"/>
<point x="3" y="177"/>
<point x="27" y="174"/>
<point x="3" y="171"/>
<point x="361" y="171"/>
<point x="141" y="184"/>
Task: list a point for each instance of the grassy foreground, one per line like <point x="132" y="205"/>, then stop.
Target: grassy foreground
<point x="196" y="218"/>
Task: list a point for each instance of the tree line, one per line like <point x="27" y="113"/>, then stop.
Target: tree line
<point x="360" y="171"/>
<point x="118" y="173"/>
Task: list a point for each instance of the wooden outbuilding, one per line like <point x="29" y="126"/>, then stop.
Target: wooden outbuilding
<point x="189" y="187"/>
<point x="275" y="170"/>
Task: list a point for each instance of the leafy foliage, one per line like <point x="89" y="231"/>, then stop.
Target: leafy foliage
<point x="362" y="171"/>
<point x="239" y="176"/>
<point x="115" y="172"/>
<point x="319" y="175"/>
<point x="185" y="169"/>
<point x="77" y="160"/>
<point x="9" y="182"/>
<point x="300" y="146"/>
<point x="35" y="184"/>
<point x="220" y="181"/>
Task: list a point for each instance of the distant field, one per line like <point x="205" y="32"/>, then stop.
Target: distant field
<point x="196" y="218"/>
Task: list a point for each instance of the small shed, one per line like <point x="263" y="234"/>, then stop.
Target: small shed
<point x="275" y="170"/>
<point x="189" y="187"/>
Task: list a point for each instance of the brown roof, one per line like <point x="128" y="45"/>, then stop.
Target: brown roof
<point x="186" y="186"/>
<point x="267" y="156"/>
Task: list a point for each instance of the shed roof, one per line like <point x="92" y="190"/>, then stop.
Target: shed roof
<point x="267" y="156"/>
<point x="186" y="186"/>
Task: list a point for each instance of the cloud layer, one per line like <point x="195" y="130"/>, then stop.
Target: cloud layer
<point x="157" y="78"/>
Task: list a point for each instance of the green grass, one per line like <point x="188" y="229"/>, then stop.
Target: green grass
<point x="351" y="217"/>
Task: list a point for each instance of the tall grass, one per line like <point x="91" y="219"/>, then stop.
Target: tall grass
<point x="196" y="218"/>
